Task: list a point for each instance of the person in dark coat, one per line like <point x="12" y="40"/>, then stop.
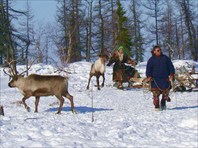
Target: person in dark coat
<point x="120" y="74"/>
<point x="159" y="72"/>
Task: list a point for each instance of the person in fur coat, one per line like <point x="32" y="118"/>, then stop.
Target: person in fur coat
<point x="119" y="58"/>
<point x="159" y="72"/>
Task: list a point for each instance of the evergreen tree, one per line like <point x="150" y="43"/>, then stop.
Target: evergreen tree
<point x="123" y="37"/>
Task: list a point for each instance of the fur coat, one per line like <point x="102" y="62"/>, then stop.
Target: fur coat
<point x="119" y="68"/>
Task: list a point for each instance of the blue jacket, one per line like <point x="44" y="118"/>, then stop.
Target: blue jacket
<point x="160" y="68"/>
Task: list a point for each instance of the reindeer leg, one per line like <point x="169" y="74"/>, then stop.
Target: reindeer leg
<point x="97" y="80"/>
<point x="26" y="107"/>
<point x="61" y="99"/>
<point x="36" y="104"/>
<point x="89" y="81"/>
<point x="70" y="97"/>
<point x="103" y="80"/>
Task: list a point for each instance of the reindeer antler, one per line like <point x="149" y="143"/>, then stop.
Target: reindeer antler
<point x="6" y="72"/>
<point x="11" y="70"/>
<point x="27" y="68"/>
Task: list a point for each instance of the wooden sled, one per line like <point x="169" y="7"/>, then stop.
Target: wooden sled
<point x="139" y="83"/>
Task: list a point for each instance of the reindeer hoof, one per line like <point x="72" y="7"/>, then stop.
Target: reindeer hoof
<point x="28" y="108"/>
<point x="74" y="111"/>
<point x="87" y="87"/>
<point x="58" y="113"/>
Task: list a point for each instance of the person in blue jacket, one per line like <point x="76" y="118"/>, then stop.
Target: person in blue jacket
<point x="159" y="72"/>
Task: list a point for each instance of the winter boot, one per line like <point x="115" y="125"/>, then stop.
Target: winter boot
<point x="156" y="103"/>
<point x="120" y="86"/>
<point x="163" y="104"/>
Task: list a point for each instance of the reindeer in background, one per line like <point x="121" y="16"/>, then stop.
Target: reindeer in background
<point x="98" y="69"/>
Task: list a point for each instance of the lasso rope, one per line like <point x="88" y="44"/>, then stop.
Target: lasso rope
<point x="159" y="87"/>
<point x="146" y="91"/>
<point x="173" y="87"/>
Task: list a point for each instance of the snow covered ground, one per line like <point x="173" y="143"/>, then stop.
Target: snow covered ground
<point x="117" y="119"/>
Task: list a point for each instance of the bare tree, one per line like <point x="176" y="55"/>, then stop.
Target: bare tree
<point x="10" y="48"/>
<point x="68" y="19"/>
<point x="190" y="26"/>
<point x="113" y="24"/>
<point x="154" y="11"/>
<point x="167" y="28"/>
<point x="29" y="33"/>
<point x="89" y="29"/>
<point x="10" y="34"/>
<point x="74" y="52"/>
<point x="137" y="37"/>
<point x="179" y="36"/>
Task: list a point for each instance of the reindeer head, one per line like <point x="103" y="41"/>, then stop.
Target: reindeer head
<point x="15" y="80"/>
<point x="13" y="74"/>
<point x="105" y="57"/>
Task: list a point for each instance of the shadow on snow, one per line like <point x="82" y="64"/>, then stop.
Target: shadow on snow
<point x="80" y="109"/>
<point x="183" y="107"/>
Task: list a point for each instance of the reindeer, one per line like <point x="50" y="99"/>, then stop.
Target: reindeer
<point x="98" y="69"/>
<point x="41" y="85"/>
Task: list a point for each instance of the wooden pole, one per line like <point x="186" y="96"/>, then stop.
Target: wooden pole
<point x="1" y="110"/>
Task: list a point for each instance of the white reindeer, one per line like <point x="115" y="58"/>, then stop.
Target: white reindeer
<point x="98" y="69"/>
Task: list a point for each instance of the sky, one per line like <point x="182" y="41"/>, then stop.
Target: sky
<point x="43" y="10"/>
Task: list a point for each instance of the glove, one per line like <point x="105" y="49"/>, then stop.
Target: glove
<point x="172" y="77"/>
<point x="149" y="79"/>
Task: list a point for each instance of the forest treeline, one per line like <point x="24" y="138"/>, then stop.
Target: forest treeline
<point x="84" y="28"/>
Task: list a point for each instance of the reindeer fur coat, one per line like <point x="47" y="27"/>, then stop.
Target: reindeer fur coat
<point x="119" y="68"/>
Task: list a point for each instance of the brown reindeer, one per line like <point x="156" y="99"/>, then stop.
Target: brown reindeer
<point x="98" y="69"/>
<point x="42" y="85"/>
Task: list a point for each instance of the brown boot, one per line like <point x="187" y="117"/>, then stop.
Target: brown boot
<point x="156" y="103"/>
<point x="120" y="86"/>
